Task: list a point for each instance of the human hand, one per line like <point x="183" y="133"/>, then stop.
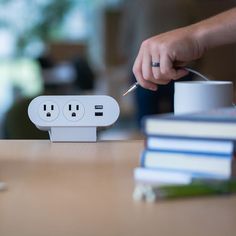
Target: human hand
<point x="172" y="50"/>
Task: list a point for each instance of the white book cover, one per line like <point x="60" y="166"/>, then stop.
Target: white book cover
<point x="144" y="175"/>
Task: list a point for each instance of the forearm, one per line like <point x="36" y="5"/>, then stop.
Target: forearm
<point x="217" y="30"/>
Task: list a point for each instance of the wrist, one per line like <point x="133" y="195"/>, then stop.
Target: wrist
<point x="201" y="37"/>
<point x="215" y="31"/>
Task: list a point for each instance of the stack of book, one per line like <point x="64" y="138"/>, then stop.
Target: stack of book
<point x="184" y="148"/>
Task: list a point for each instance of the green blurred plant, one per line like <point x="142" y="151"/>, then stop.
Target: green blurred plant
<point x="39" y="20"/>
<point x="53" y="15"/>
<point x="50" y="14"/>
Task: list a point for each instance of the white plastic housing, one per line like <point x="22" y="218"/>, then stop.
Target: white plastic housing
<point x="73" y="118"/>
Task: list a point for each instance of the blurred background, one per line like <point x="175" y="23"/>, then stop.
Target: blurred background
<point x="88" y="47"/>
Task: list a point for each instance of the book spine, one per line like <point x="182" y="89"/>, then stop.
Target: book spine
<point x="168" y="175"/>
<point x="195" y="189"/>
<point x="190" y="154"/>
<point x="180" y="136"/>
<point x="196" y="145"/>
<point x="193" y="153"/>
<point x="190" y="145"/>
<point x="188" y="128"/>
<point x="208" y="164"/>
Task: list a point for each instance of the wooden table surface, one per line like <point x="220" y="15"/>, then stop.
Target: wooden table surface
<point x="86" y="189"/>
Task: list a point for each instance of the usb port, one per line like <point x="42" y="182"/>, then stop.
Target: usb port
<point x="98" y="113"/>
<point x="98" y="107"/>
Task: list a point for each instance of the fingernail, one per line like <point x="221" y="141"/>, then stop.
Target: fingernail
<point x="153" y="88"/>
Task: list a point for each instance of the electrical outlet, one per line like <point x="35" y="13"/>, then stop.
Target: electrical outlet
<point x="73" y="118"/>
<point x="73" y="110"/>
<point x="48" y="111"/>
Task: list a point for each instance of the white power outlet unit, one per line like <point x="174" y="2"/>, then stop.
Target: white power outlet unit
<point x="73" y="118"/>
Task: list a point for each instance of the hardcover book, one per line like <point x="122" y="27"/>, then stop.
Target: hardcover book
<point x="214" y="124"/>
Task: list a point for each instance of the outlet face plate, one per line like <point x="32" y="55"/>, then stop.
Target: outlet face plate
<point x="62" y="115"/>
<point x="73" y="110"/>
<point x="48" y="111"/>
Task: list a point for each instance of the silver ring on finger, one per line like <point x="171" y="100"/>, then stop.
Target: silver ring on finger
<point x="155" y="64"/>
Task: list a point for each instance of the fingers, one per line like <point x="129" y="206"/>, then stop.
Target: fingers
<point x="159" y="78"/>
<point x="156" y="50"/>
<point x="148" y="71"/>
<point x="137" y="70"/>
<point x="147" y="76"/>
<point x="180" y="73"/>
<point x="155" y="69"/>
<point x="167" y="69"/>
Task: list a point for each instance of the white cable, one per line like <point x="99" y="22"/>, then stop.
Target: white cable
<point x="197" y="73"/>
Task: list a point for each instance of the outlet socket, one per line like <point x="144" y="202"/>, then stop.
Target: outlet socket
<point x="73" y="110"/>
<point x="48" y="111"/>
